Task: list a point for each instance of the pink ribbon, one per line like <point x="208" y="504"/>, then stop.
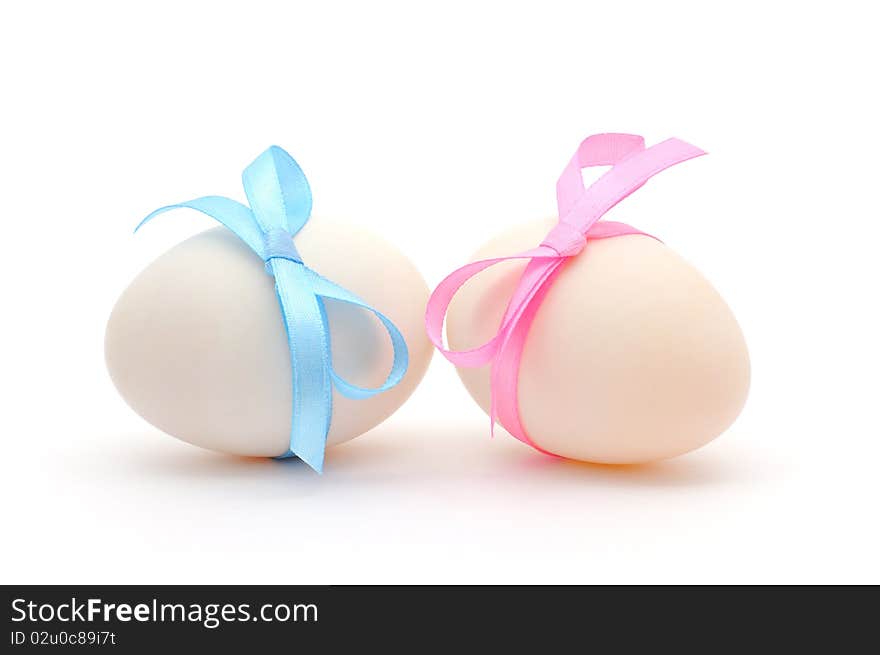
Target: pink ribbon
<point x="579" y="210"/>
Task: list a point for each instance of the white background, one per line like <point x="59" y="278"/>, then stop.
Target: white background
<point x="439" y="126"/>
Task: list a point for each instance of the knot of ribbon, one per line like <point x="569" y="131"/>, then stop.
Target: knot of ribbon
<point x="280" y="203"/>
<point x="580" y="209"/>
<point x="278" y="244"/>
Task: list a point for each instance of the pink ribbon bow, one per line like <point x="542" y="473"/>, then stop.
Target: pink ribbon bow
<point x="579" y="212"/>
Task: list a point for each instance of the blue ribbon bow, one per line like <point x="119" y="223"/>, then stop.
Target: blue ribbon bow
<point x="280" y="204"/>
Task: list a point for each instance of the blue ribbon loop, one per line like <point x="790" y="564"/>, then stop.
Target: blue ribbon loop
<point x="280" y="205"/>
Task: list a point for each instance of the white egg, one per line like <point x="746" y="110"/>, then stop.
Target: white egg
<point x="196" y="344"/>
<point x="633" y="356"/>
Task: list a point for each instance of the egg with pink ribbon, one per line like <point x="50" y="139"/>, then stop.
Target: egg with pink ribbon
<point x="599" y="343"/>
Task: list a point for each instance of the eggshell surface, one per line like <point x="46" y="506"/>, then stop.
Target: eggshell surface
<point x="633" y="356"/>
<point x="196" y="344"/>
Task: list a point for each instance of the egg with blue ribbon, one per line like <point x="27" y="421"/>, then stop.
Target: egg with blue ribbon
<point x="273" y="335"/>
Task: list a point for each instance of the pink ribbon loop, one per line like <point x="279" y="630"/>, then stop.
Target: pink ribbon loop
<point x="580" y="209"/>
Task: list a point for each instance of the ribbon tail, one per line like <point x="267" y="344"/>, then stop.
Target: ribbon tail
<point x="630" y="174"/>
<point x="533" y="287"/>
<point x="237" y="218"/>
<point x="310" y="359"/>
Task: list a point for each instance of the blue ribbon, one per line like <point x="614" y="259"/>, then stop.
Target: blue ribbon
<point x="280" y="204"/>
